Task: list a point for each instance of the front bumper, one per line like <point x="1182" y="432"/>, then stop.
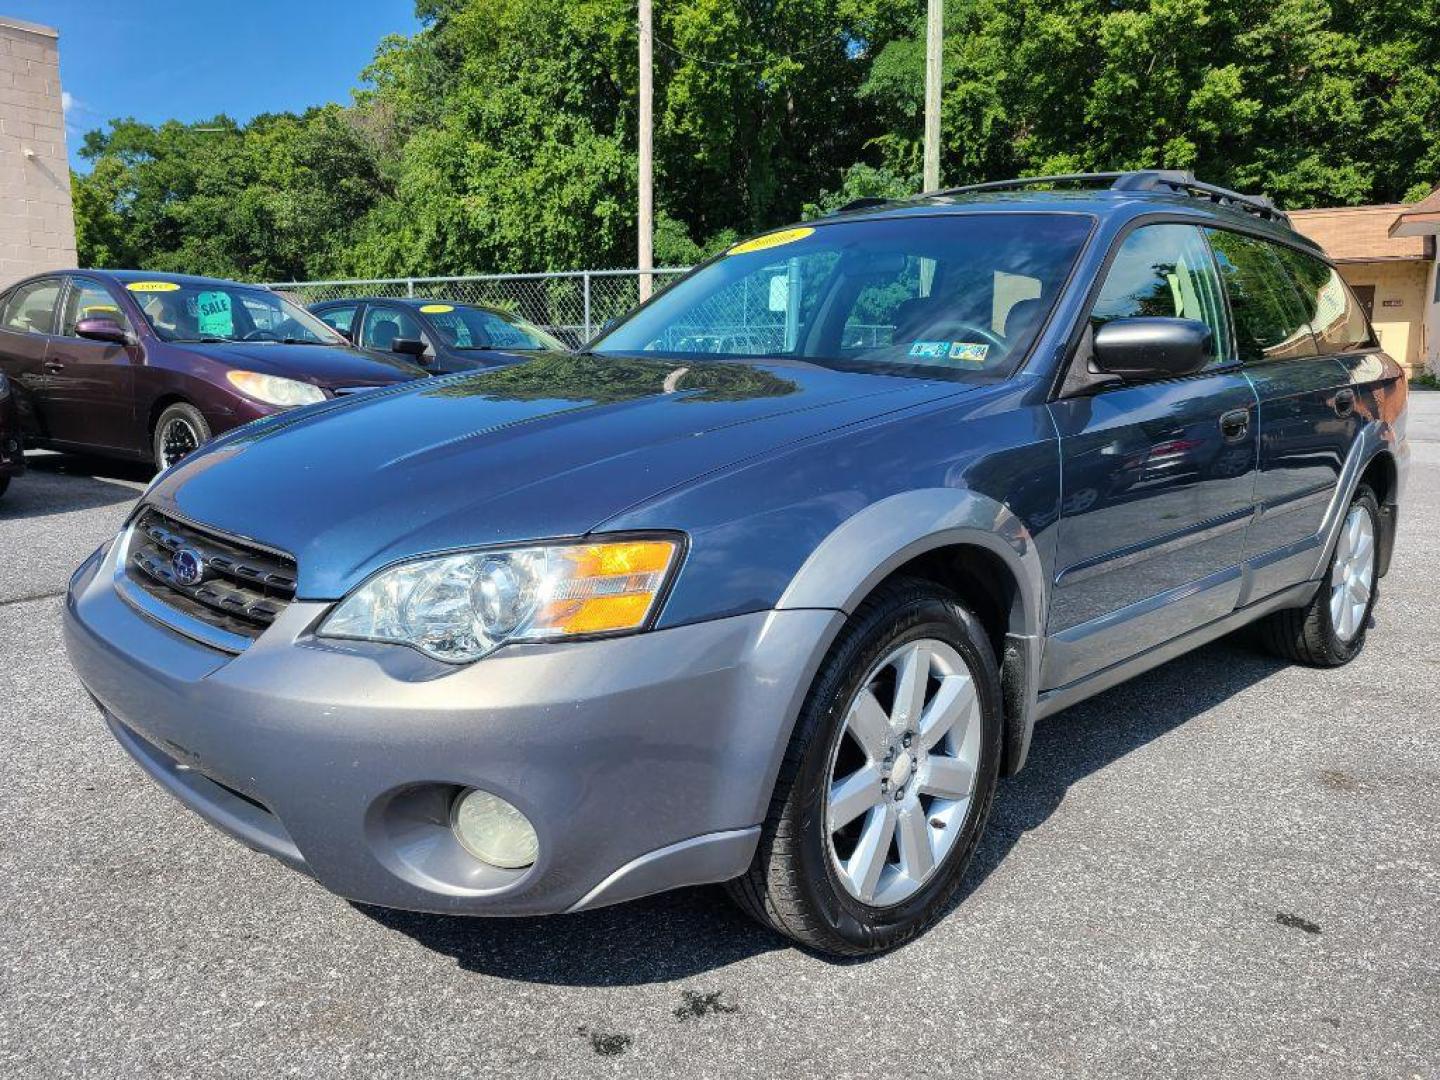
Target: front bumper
<point x="644" y="763"/>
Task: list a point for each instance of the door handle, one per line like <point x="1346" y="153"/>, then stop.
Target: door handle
<point x="1344" y="403"/>
<point x="54" y="365"/>
<point x="1235" y="423"/>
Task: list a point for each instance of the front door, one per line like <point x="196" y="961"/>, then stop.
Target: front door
<point x="1158" y="478"/>
<point x="91" y="395"/>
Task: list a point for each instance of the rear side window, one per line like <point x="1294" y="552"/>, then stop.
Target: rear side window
<point x="90" y="300"/>
<point x="1270" y="321"/>
<point x="1335" y="315"/>
<point x="1165" y="270"/>
<point x="31" y="308"/>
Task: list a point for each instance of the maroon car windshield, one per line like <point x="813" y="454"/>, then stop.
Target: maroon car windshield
<point x="217" y="312"/>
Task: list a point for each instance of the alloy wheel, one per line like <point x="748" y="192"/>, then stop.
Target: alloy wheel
<point x="903" y="772"/>
<point x="179" y="440"/>
<point x="1352" y="577"/>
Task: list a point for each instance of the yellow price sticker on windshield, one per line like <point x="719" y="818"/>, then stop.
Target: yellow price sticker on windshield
<point x="436" y="309"/>
<point x="153" y="286"/>
<point x="771" y="240"/>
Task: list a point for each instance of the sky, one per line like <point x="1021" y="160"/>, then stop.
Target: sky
<point x="166" y="59"/>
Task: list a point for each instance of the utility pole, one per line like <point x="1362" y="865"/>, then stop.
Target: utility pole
<point x="647" y="167"/>
<point x="934" y="42"/>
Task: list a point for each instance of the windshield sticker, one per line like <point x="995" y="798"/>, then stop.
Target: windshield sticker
<point x="436" y="309"/>
<point x="212" y="309"/>
<point x="969" y="352"/>
<point x="772" y="240"/>
<point x="931" y="350"/>
<point x="153" y="286"/>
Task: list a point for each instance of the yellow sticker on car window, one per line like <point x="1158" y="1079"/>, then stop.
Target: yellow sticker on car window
<point x="153" y="286"/>
<point x="771" y="240"/>
<point x="436" y="309"/>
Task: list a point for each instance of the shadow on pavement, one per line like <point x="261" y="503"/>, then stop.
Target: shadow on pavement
<point x="692" y="931"/>
<point x="62" y="483"/>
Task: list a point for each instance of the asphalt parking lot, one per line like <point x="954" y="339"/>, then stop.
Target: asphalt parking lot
<point x="1227" y="867"/>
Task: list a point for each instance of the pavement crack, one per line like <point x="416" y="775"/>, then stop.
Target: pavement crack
<point x="30" y="598"/>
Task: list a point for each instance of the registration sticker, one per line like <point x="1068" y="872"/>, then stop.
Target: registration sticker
<point x="771" y="240"/>
<point x="153" y="286"/>
<point x="436" y="309"/>
<point x="931" y="350"/>
<point x="969" y="352"/>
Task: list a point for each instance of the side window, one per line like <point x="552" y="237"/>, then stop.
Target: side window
<point x="1165" y="270"/>
<point x="1270" y="320"/>
<point x="31" y="308"/>
<point x="383" y="325"/>
<point x="340" y="318"/>
<point x="90" y="300"/>
<point x="1335" y="315"/>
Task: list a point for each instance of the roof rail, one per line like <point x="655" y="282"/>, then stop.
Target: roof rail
<point x="1178" y="181"/>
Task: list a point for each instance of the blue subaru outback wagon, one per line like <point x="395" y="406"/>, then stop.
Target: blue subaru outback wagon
<point x="770" y="584"/>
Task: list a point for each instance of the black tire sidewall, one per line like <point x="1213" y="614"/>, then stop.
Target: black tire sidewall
<point x="1347" y="650"/>
<point x="180" y="410"/>
<point x="921" y="614"/>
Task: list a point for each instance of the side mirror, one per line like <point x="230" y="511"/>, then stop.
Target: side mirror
<point x="102" y="329"/>
<point x="1152" y="347"/>
<point x="408" y="346"/>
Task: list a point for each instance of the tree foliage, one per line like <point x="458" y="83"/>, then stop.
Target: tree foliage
<point x="501" y="136"/>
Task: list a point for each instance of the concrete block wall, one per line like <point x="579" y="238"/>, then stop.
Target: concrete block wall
<point x="37" y="224"/>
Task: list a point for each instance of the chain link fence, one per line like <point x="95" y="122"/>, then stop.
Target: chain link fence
<point x="573" y="305"/>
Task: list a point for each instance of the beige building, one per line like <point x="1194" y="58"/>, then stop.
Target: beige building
<point x="1388" y="255"/>
<point x="37" y="225"/>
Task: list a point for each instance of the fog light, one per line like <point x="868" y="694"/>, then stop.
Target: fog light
<point x="493" y="831"/>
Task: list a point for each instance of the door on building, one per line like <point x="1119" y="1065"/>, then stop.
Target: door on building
<point x="1366" y="295"/>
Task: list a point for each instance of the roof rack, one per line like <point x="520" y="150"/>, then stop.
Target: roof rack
<point x="1180" y="182"/>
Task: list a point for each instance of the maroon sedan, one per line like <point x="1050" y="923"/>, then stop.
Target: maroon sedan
<point x="149" y="366"/>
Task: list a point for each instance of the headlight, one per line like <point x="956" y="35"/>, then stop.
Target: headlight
<point x="274" y="390"/>
<point x="458" y="608"/>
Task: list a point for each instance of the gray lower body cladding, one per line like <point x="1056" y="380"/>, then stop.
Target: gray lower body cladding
<point x="644" y="763"/>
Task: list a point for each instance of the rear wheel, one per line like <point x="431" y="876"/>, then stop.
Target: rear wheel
<point x="180" y="431"/>
<point x="1330" y="630"/>
<point x="888" y="780"/>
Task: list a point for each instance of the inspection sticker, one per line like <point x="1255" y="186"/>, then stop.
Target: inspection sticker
<point x="969" y="352"/>
<point x="436" y="309"/>
<point x="153" y="286"/>
<point x="931" y="350"/>
<point x="771" y="240"/>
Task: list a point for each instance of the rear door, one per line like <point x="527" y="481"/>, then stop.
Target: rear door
<point x="91" y="393"/>
<point x="1158" y="478"/>
<point x="1306" y="404"/>
<point x="27" y="324"/>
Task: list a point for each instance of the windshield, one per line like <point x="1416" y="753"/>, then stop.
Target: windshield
<point x="227" y="313"/>
<point x="463" y="327"/>
<point x="947" y="296"/>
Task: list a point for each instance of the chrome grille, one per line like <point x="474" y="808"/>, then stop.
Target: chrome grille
<point x="241" y="588"/>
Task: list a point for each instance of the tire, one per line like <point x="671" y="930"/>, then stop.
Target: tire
<point x="800" y="883"/>
<point x="1312" y="634"/>
<point x="179" y="424"/>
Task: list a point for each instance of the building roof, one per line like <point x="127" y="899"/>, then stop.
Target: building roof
<point x="1422" y="219"/>
<point x="1362" y="233"/>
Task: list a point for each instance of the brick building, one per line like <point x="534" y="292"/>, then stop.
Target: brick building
<point x="1388" y="255"/>
<point x="37" y="226"/>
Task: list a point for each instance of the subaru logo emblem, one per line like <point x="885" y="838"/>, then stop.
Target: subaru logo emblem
<point x="187" y="566"/>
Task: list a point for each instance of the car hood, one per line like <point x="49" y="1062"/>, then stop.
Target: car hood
<point x="330" y="366"/>
<point x="548" y="448"/>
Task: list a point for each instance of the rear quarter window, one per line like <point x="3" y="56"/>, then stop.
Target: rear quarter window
<point x="1270" y="321"/>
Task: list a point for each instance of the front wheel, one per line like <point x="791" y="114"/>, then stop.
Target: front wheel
<point x="180" y="431"/>
<point x="888" y="779"/>
<point x="1330" y="630"/>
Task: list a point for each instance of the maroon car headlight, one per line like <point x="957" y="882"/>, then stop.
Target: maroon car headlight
<point x="273" y="390"/>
